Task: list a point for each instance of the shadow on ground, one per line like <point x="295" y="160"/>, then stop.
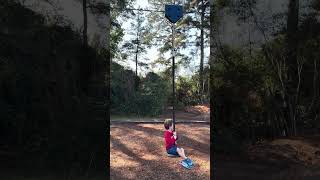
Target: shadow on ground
<point x="137" y="152"/>
<point x="280" y="159"/>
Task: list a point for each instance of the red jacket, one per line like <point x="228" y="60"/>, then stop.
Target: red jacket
<point x="169" y="139"/>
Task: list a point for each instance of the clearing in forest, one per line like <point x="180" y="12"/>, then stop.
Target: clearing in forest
<point x="138" y="152"/>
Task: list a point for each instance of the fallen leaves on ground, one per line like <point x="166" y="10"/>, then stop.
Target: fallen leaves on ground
<point x="138" y="152"/>
<point x="193" y="113"/>
<point x="297" y="150"/>
<point x="199" y="109"/>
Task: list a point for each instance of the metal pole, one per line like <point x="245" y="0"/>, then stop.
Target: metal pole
<point x="173" y="83"/>
<point x="173" y="75"/>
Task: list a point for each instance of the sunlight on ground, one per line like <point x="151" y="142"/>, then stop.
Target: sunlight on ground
<point x="198" y="109"/>
<point x="138" y="152"/>
<point x="124" y="162"/>
<point x="150" y="157"/>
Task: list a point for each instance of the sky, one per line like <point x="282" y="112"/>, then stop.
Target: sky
<point x="231" y="32"/>
<point x="126" y="26"/>
<point x="71" y="10"/>
<point x="152" y="53"/>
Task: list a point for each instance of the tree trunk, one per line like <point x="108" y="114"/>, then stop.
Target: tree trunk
<point x="315" y="81"/>
<point x="211" y="57"/>
<point x="292" y="61"/>
<point x="137" y="50"/>
<point x="137" y="62"/>
<point x="202" y="47"/>
<point x="85" y="23"/>
<point x="107" y="78"/>
<point x="214" y="105"/>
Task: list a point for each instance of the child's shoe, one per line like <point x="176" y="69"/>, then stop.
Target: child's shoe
<point x="189" y="161"/>
<point x="185" y="164"/>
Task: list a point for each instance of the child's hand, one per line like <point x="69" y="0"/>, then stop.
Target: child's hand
<point x="175" y="135"/>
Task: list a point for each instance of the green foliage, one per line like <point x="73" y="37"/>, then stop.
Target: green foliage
<point x="144" y="97"/>
<point x="153" y="95"/>
<point x="187" y="91"/>
<point x="45" y="86"/>
<point x="238" y="84"/>
<point x="116" y="35"/>
<point x="249" y="85"/>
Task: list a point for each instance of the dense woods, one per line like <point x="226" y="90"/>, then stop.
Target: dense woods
<point x="133" y="95"/>
<point x="59" y="84"/>
<point x="267" y="89"/>
<point x="52" y="88"/>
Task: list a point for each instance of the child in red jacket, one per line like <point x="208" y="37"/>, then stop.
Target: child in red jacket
<point x="170" y="138"/>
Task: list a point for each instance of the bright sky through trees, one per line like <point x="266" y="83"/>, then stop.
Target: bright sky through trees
<point x="153" y="53"/>
<point x="71" y="10"/>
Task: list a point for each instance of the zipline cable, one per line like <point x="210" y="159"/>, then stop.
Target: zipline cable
<point x="148" y="10"/>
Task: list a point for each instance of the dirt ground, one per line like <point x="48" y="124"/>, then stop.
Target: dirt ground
<point x="195" y="113"/>
<point x="295" y="158"/>
<point x="298" y="150"/>
<point x="137" y="152"/>
<point x="189" y="113"/>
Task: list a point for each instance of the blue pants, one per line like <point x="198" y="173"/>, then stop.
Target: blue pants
<point x="173" y="151"/>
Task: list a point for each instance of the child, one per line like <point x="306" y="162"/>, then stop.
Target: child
<point x="170" y="138"/>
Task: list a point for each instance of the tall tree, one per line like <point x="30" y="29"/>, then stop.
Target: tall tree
<point x="137" y="41"/>
<point x="184" y="32"/>
<point x="292" y="59"/>
<point x="199" y="19"/>
<point x="108" y="64"/>
<point x="213" y="115"/>
<point x="85" y="22"/>
<point x="203" y="7"/>
<point x="141" y="39"/>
